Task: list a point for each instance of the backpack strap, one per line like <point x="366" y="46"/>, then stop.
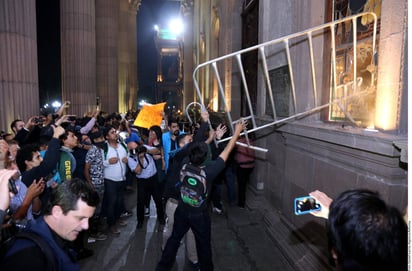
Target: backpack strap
<point x="106" y="148"/>
<point x="43" y="245"/>
<point x="195" y="169"/>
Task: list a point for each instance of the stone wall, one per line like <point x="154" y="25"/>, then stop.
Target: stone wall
<point x="304" y="157"/>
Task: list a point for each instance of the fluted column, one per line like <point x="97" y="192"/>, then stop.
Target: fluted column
<point x="123" y="60"/>
<point x="19" y="85"/>
<point x="107" y="33"/>
<point x="127" y="54"/>
<point x="131" y="94"/>
<point x="188" y="88"/>
<point x="78" y="54"/>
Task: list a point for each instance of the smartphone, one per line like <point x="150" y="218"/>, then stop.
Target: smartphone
<point x="12" y="186"/>
<point x="305" y="205"/>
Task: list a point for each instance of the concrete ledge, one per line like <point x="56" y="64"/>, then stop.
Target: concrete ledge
<point x="348" y="136"/>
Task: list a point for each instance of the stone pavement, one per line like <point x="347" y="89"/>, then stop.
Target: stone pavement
<point x="239" y="243"/>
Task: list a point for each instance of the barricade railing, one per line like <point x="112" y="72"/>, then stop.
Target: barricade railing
<point x="307" y="36"/>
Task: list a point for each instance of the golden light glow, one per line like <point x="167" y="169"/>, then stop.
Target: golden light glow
<point x="386" y="105"/>
<point x="214" y="104"/>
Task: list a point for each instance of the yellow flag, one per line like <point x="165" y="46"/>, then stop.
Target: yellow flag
<point x="149" y="115"/>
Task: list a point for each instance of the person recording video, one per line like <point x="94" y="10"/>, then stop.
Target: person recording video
<point x="142" y="164"/>
<point x="364" y="233"/>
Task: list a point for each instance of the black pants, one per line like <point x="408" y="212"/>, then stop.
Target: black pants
<point x="243" y="175"/>
<point x="146" y="188"/>
<point x="200" y="224"/>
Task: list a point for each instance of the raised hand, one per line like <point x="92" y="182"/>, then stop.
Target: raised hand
<point x="324" y="202"/>
<point x="220" y="131"/>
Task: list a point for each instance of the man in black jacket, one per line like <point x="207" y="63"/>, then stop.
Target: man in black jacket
<point x="197" y="218"/>
<point x="71" y="205"/>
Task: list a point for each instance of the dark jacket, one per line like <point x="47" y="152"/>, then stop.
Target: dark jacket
<point x="25" y="255"/>
<point x="45" y="167"/>
<point x="176" y="162"/>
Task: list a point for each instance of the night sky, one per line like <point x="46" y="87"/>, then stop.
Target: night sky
<point x="151" y="12"/>
<point x="48" y="50"/>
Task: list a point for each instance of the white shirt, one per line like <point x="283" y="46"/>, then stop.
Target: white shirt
<point x="148" y="168"/>
<point x="115" y="172"/>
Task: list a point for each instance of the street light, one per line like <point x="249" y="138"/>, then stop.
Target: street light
<point x="56" y="105"/>
<point x="176" y="26"/>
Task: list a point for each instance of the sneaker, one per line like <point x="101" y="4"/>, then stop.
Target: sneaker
<point x="114" y="230"/>
<point x="98" y="236"/>
<point x="126" y="214"/>
<point x="146" y="212"/>
<point x="217" y="211"/>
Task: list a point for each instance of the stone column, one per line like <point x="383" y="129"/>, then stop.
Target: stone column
<point x="127" y="54"/>
<point x="391" y="63"/>
<point x="133" y="90"/>
<point x="19" y="85"/>
<point x="123" y="59"/>
<point x="107" y="25"/>
<point x="188" y="87"/>
<point x="78" y="54"/>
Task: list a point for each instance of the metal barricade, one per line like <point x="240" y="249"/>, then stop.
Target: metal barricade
<point x="307" y="36"/>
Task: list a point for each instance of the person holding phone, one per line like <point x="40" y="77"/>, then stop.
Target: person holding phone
<point x="25" y="200"/>
<point x="364" y="233"/>
<point x="5" y="175"/>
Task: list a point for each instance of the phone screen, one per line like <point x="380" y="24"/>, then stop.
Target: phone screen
<point x="305" y="205"/>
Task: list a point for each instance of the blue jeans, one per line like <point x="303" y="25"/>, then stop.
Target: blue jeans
<point x="113" y="200"/>
<point x="199" y="222"/>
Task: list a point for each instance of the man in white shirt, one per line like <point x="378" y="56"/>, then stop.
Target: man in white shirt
<point x="114" y="162"/>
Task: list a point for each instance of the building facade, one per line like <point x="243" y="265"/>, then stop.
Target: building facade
<point x="359" y="143"/>
<point x="356" y="144"/>
<point x="98" y="57"/>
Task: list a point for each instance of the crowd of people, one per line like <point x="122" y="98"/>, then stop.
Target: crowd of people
<point x="72" y="174"/>
<point x="105" y="153"/>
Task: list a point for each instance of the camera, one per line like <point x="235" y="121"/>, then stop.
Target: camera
<point x="136" y="151"/>
<point x="38" y="120"/>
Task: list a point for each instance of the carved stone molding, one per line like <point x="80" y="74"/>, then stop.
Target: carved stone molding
<point x="187" y="7"/>
<point x="134" y="5"/>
